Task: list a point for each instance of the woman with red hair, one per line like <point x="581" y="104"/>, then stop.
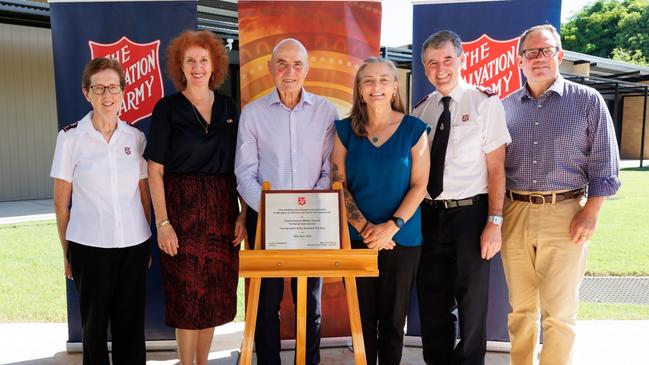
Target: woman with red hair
<point x="190" y="155"/>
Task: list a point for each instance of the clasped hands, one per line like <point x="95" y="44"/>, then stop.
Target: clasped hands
<point x="379" y="236"/>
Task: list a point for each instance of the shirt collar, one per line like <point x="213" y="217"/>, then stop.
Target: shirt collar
<point x="455" y="94"/>
<point x="122" y="126"/>
<point x="556" y="87"/>
<point x="85" y="125"/>
<point x="305" y="97"/>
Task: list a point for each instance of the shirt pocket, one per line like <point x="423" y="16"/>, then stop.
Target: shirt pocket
<point x="128" y="168"/>
<point x="467" y="142"/>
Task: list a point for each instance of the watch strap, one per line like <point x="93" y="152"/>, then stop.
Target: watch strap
<point x="495" y="219"/>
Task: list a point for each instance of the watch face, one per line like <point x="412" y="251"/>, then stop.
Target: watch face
<point x="398" y="221"/>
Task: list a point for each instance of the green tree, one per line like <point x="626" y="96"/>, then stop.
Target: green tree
<point x="610" y="28"/>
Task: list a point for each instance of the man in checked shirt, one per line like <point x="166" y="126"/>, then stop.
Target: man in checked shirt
<point x="563" y="149"/>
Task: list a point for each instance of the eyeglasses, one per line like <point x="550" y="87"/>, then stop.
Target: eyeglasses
<point x="533" y="53"/>
<point x="100" y="89"/>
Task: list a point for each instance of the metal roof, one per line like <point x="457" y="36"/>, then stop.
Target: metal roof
<point x="607" y="68"/>
<point x="21" y="12"/>
<point x="221" y="17"/>
<point x="218" y="16"/>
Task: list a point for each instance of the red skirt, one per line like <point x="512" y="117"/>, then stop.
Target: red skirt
<point x="200" y="283"/>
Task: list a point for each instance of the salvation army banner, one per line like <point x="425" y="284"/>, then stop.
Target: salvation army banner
<point x="136" y="34"/>
<point x="489" y="31"/>
<point x="338" y="36"/>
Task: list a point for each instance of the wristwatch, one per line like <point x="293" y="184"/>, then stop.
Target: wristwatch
<point x="398" y="222"/>
<point x="495" y="219"/>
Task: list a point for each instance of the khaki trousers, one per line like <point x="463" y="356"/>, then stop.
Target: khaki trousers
<point x="543" y="269"/>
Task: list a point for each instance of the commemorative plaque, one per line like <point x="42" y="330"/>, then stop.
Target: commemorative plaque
<point x="301" y="220"/>
<point x="303" y="234"/>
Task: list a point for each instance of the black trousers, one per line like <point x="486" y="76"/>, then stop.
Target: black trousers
<point x="111" y="283"/>
<point x="267" y="339"/>
<point x="384" y="302"/>
<point x="453" y="275"/>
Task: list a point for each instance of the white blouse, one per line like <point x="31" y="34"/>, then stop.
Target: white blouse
<point x="106" y="208"/>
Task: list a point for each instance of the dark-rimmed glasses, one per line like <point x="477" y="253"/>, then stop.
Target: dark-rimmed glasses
<point x="100" y="89"/>
<point x="533" y="53"/>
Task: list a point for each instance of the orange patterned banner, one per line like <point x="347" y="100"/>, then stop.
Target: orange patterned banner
<point x="338" y="35"/>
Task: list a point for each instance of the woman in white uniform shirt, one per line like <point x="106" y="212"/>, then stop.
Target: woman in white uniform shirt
<point x="104" y="234"/>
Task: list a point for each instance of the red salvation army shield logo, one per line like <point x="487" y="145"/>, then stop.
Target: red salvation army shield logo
<point x="301" y="200"/>
<point x="141" y="64"/>
<point x="492" y="64"/>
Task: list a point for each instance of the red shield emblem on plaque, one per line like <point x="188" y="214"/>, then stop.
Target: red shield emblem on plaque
<point x="492" y="64"/>
<point x="141" y="64"/>
<point x="301" y="200"/>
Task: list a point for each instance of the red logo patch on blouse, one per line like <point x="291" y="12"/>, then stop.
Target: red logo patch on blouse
<point x="127" y="150"/>
<point x="465" y="117"/>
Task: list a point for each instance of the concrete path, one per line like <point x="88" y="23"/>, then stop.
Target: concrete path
<point x="598" y="343"/>
<point x="26" y="211"/>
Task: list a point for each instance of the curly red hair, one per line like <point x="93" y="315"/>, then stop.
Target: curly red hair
<point x="204" y="39"/>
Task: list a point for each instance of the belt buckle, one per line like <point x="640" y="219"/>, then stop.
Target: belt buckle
<point x="465" y="202"/>
<point x="532" y="196"/>
<point x="445" y="204"/>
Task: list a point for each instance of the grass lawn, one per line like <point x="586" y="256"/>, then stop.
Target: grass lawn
<point x="620" y="246"/>
<point x="612" y="311"/>
<point x="33" y="287"/>
<point x="32" y="282"/>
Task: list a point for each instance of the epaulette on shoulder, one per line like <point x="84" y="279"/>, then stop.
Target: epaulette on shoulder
<point x="487" y="91"/>
<point x="421" y="101"/>
<point x="70" y="126"/>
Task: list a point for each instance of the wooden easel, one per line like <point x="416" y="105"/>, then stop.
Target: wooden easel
<point x="302" y="264"/>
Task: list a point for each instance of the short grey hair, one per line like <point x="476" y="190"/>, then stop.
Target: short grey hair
<point x="437" y="41"/>
<point x="539" y="28"/>
<point x="287" y="41"/>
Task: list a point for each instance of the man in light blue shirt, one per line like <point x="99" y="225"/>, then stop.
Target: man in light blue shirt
<point x="285" y="138"/>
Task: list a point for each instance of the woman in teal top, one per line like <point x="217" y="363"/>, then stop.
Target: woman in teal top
<point x="381" y="157"/>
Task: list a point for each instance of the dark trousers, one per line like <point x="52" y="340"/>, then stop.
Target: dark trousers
<point x="267" y="340"/>
<point x="384" y="302"/>
<point x="111" y="283"/>
<point x="452" y="274"/>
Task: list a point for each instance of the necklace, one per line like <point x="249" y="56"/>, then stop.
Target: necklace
<point x="204" y="126"/>
<point x="375" y="140"/>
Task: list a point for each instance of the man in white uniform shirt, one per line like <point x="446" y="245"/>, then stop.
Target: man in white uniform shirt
<point x="462" y="214"/>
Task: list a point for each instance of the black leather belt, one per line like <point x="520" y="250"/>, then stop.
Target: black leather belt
<point x="449" y="204"/>
<point x="546" y="198"/>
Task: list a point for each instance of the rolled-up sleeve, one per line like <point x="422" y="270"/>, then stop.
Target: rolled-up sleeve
<point x="604" y="159"/>
<point x="246" y="162"/>
<point x="324" y="182"/>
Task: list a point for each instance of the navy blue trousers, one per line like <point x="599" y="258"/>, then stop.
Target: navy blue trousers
<point x="453" y="275"/>
<point x="384" y="302"/>
<point x="111" y="283"/>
